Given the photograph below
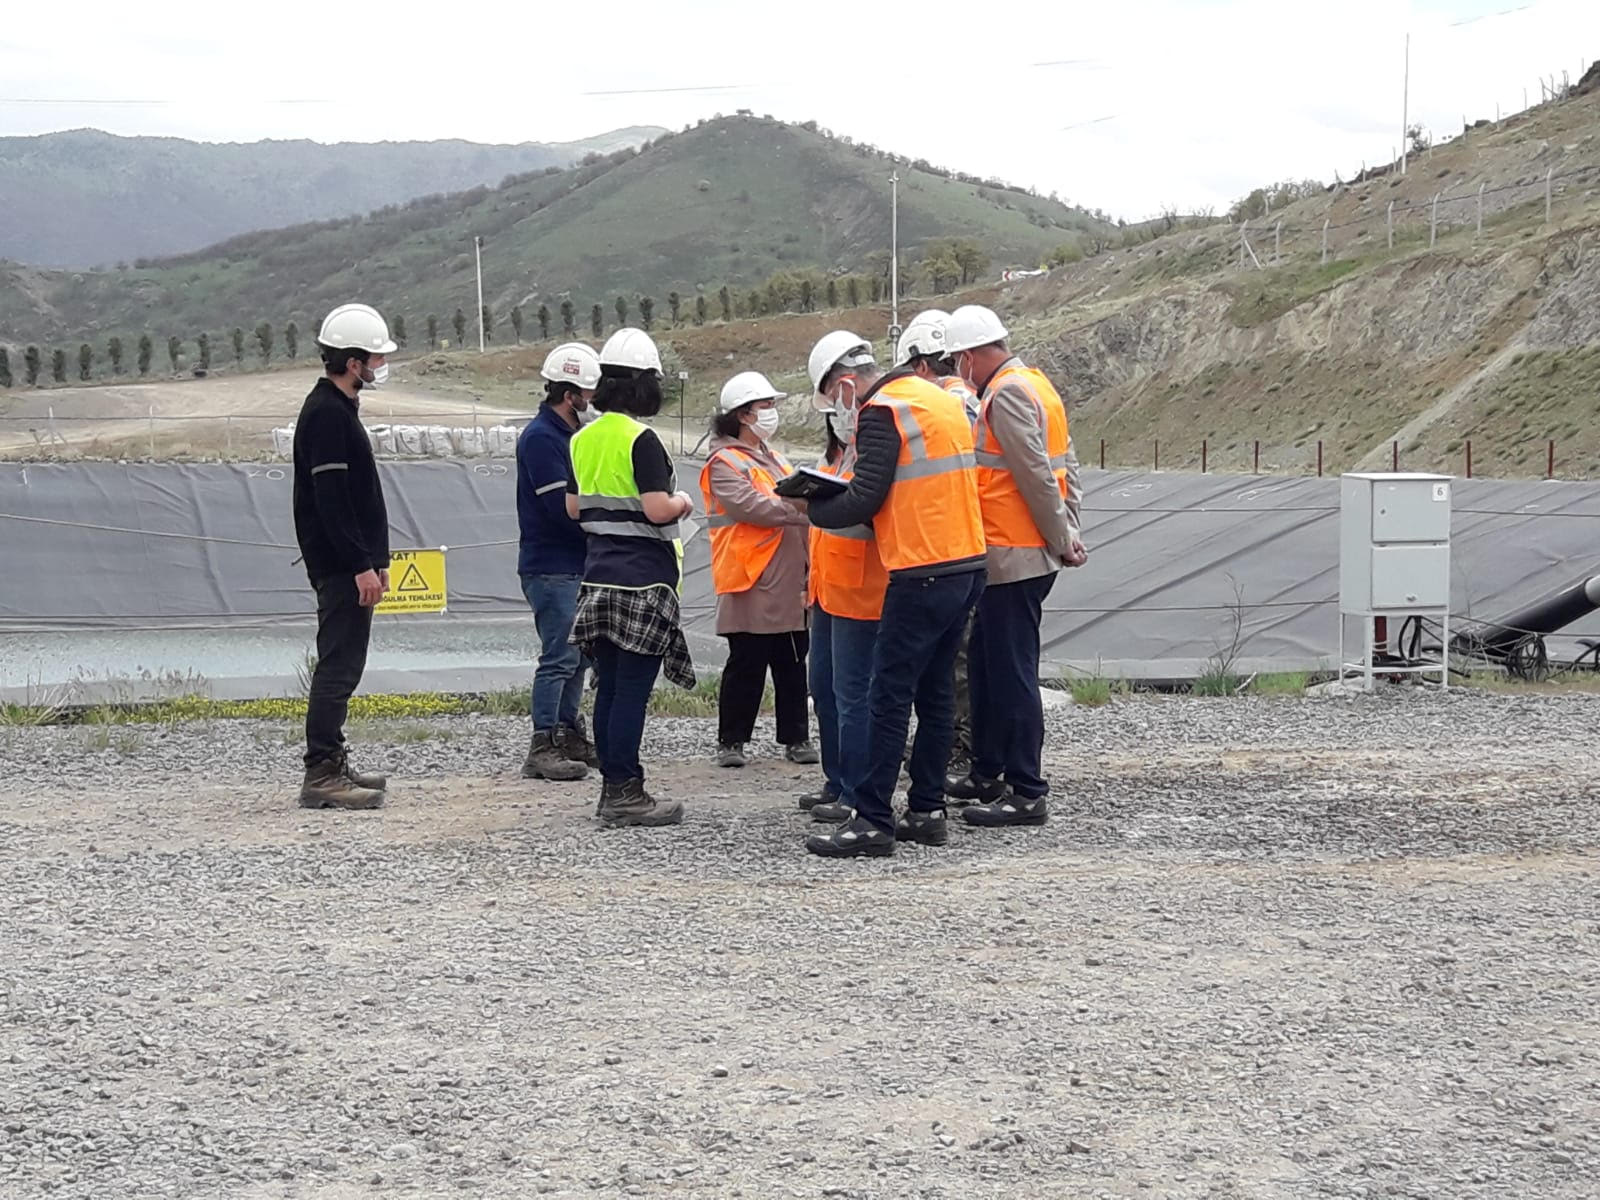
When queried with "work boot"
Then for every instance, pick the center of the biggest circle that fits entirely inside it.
(973, 788)
(856, 838)
(630, 804)
(731, 754)
(610, 793)
(803, 753)
(1009, 809)
(824, 795)
(924, 828)
(573, 741)
(327, 786)
(832, 812)
(376, 783)
(545, 761)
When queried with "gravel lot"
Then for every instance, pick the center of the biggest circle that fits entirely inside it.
(1265, 948)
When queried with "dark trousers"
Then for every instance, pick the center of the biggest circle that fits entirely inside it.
(913, 664)
(744, 679)
(964, 693)
(1007, 715)
(841, 682)
(621, 699)
(344, 629)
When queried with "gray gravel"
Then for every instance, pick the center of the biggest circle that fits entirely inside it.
(1291, 948)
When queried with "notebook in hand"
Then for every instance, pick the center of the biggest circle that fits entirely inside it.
(807, 483)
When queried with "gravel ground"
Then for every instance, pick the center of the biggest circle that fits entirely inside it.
(1264, 949)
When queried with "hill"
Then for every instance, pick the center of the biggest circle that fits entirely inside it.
(83, 197)
(729, 202)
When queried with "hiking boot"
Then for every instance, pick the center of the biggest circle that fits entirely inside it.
(854, 839)
(610, 793)
(545, 761)
(831, 812)
(731, 754)
(1009, 809)
(630, 804)
(327, 786)
(972, 788)
(573, 742)
(825, 795)
(376, 783)
(924, 828)
(803, 753)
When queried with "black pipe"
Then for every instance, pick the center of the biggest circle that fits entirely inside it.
(1499, 642)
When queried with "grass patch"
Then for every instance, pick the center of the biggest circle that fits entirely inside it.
(1216, 681)
(1091, 692)
(1286, 683)
(1561, 683)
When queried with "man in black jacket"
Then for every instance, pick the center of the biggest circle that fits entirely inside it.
(342, 526)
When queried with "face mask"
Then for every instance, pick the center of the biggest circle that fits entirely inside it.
(766, 423)
(588, 415)
(380, 376)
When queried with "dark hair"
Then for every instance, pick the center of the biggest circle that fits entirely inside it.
(556, 392)
(728, 424)
(622, 389)
(835, 448)
(940, 364)
(336, 358)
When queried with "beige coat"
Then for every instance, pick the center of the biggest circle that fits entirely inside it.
(777, 603)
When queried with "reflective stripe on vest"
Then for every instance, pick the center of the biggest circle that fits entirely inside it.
(931, 514)
(1007, 520)
(958, 388)
(609, 503)
(847, 577)
(740, 552)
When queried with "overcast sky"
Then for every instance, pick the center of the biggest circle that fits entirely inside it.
(1207, 98)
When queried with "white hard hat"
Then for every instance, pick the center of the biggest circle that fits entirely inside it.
(573, 363)
(746, 388)
(356, 327)
(839, 347)
(629, 347)
(924, 335)
(971, 326)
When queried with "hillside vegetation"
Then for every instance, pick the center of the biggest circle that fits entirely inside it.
(83, 197)
(728, 203)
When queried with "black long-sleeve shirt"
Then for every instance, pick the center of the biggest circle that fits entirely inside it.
(340, 519)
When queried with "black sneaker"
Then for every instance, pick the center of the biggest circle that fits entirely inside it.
(826, 795)
(854, 839)
(923, 828)
(731, 754)
(973, 789)
(832, 812)
(803, 753)
(1009, 809)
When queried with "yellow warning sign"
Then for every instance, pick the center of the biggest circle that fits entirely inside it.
(416, 582)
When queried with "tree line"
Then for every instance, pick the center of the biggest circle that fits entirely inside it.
(946, 263)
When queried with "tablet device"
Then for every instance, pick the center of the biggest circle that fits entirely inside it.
(807, 483)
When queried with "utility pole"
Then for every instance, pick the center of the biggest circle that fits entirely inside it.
(1405, 108)
(894, 257)
(477, 254)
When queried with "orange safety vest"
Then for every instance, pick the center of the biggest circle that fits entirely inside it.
(847, 575)
(931, 514)
(740, 552)
(958, 388)
(1007, 520)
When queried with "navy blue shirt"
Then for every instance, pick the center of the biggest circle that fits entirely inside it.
(552, 542)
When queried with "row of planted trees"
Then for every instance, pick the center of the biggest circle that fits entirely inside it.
(785, 292)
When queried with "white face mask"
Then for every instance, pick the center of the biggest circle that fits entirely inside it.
(766, 423)
(588, 415)
(380, 376)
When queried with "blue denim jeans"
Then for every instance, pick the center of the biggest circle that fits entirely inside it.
(914, 663)
(558, 681)
(841, 674)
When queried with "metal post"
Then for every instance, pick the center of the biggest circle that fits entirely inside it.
(1481, 186)
(1319, 458)
(477, 254)
(1395, 447)
(1405, 107)
(1158, 454)
(1325, 240)
(1469, 458)
(1547, 177)
(54, 437)
(1102, 454)
(682, 375)
(1255, 468)
(1391, 224)
(1550, 460)
(1203, 456)
(894, 249)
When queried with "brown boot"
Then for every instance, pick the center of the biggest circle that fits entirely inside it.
(630, 804)
(545, 760)
(327, 786)
(573, 742)
(376, 783)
